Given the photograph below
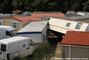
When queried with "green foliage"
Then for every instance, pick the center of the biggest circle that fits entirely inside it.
(86, 6)
(44, 51)
(5, 6)
(75, 6)
(44, 5)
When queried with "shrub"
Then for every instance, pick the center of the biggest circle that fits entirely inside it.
(43, 51)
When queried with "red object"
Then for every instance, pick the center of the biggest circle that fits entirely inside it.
(76, 38)
(25, 18)
(48, 15)
(17, 11)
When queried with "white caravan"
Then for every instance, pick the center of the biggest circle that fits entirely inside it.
(37, 31)
(15, 46)
(7, 31)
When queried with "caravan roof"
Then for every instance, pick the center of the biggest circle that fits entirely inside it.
(37, 26)
(13, 39)
(7, 28)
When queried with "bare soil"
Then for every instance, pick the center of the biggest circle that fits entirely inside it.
(58, 51)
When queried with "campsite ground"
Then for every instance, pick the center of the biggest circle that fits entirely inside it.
(58, 51)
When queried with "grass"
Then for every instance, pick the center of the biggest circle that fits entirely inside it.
(43, 52)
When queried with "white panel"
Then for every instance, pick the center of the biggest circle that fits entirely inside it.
(59, 25)
(36, 38)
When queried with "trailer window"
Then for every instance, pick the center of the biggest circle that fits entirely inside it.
(0, 23)
(68, 24)
(78, 26)
(8, 33)
(3, 47)
(87, 29)
(14, 25)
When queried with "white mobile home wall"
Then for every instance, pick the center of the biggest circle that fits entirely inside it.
(38, 36)
(59, 25)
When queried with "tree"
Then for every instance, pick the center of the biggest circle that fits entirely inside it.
(6, 6)
(75, 6)
(86, 6)
(44, 5)
(18, 4)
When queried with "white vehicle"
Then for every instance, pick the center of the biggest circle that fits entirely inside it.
(15, 46)
(7, 31)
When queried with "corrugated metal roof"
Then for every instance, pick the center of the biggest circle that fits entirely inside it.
(37, 26)
(76, 38)
(25, 18)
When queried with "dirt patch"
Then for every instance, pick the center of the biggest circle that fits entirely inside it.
(58, 51)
